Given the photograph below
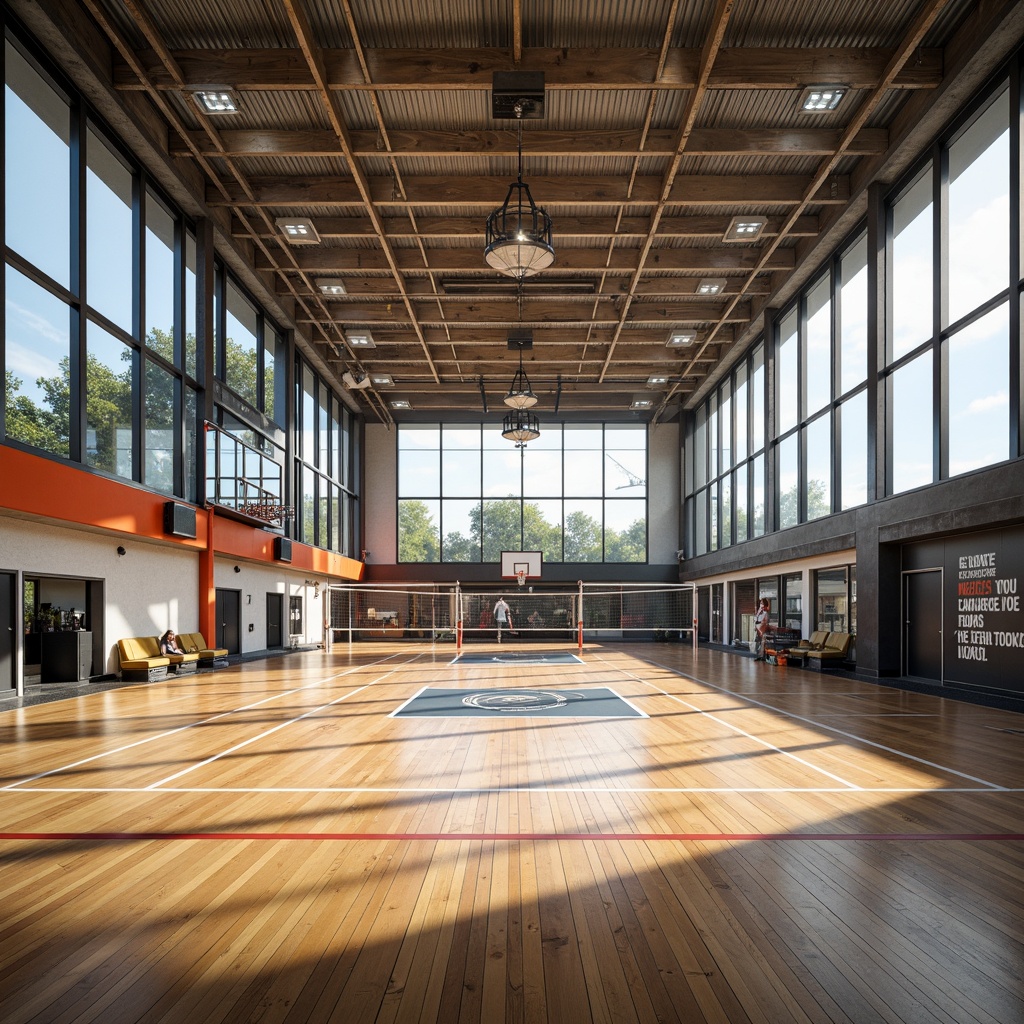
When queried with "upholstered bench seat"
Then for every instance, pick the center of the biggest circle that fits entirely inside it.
(195, 644)
(142, 661)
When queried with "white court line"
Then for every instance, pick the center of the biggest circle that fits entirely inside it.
(736, 729)
(816, 724)
(193, 725)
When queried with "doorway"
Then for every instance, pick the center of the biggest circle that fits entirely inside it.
(229, 617)
(8, 638)
(922, 624)
(717, 604)
(275, 620)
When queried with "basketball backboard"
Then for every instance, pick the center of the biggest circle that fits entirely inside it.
(526, 562)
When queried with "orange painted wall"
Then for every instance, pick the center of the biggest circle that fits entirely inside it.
(51, 490)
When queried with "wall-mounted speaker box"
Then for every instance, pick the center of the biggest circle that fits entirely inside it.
(283, 549)
(179, 520)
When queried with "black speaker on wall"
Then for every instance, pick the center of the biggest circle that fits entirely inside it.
(179, 520)
(283, 549)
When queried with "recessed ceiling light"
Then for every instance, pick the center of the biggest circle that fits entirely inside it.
(817, 98)
(382, 380)
(656, 380)
(331, 286)
(400, 403)
(676, 339)
(744, 229)
(711, 286)
(360, 339)
(298, 230)
(641, 402)
(216, 101)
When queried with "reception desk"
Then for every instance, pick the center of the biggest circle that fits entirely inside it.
(65, 657)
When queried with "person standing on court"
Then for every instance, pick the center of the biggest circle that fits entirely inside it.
(502, 616)
(762, 620)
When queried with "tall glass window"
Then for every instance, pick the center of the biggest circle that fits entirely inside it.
(111, 252)
(853, 429)
(159, 436)
(37, 168)
(979, 400)
(979, 210)
(912, 422)
(109, 439)
(818, 348)
(789, 491)
(757, 398)
(758, 525)
(911, 274)
(787, 371)
(741, 398)
(240, 342)
(853, 316)
(323, 468)
(818, 485)
(37, 381)
(158, 331)
(579, 494)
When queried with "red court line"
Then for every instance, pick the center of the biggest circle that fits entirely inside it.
(678, 837)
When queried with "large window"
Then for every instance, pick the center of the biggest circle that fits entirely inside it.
(324, 466)
(578, 493)
(95, 368)
(37, 168)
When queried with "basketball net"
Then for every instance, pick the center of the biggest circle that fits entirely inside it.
(521, 578)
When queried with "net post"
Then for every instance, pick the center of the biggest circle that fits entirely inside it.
(458, 617)
(579, 622)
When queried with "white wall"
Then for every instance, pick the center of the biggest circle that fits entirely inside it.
(663, 489)
(254, 582)
(151, 588)
(381, 494)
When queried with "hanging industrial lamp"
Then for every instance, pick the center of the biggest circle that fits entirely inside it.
(518, 233)
(520, 426)
(520, 393)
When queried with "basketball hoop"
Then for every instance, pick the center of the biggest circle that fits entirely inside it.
(521, 577)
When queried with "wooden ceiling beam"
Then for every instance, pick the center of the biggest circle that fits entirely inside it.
(612, 287)
(324, 260)
(539, 312)
(488, 192)
(471, 69)
(410, 143)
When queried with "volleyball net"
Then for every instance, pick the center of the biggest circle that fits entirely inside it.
(436, 612)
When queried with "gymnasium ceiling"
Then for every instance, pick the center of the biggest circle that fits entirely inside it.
(663, 120)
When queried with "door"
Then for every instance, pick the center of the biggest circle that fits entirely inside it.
(275, 617)
(229, 617)
(922, 624)
(703, 613)
(716, 613)
(8, 677)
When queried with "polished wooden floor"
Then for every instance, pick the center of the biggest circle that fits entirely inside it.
(268, 843)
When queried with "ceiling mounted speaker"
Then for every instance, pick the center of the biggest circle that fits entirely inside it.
(355, 381)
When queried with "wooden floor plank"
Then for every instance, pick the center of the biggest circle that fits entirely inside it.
(272, 845)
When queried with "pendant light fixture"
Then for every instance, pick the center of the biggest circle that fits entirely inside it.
(520, 426)
(518, 234)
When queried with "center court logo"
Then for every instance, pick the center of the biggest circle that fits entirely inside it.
(519, 700)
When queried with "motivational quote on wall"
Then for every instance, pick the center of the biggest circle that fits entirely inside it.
(987, 608)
